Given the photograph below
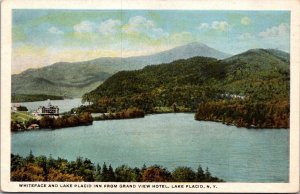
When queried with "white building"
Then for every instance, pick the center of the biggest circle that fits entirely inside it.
(50, 110)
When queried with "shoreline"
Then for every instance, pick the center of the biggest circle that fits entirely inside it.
(191, 112)
(154, 113)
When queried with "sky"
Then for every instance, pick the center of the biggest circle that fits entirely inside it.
(43, 37)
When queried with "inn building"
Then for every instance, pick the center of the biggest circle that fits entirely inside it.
(50, 110)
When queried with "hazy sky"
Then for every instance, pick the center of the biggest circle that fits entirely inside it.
(43, 37)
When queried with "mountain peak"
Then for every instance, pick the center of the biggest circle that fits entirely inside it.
(196, 44)
(281, 55)
(193, 49)
(261, 59)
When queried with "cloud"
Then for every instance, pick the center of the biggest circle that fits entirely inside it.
(246, 36)
(203, 26)
(282, 30)
(180, 38)
(137, 24)
(54, 30)
(246, 21)
(157, 33)
(140, 25)
(109, 26)
(220, 25)
(215, 25)
(84, 26)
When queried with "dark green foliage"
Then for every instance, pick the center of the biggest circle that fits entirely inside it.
(97, 175)
(41, 168)
(247, 113)
(179, 82)
(22, 108)
(124, 114)
(249, 82)
(111, 174)
(93, 108)
(200, 176)
(30, 122)
(126, 174)
(183, 174)
(33, 97)
(104, 173)
(85, 169)
(43, 163)
(17, 162)
(46, 122)
(30, 158)
(21, 126)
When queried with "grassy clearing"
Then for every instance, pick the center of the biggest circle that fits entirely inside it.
(21, 116)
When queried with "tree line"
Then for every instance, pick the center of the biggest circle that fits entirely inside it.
(124, 114)
(47, 122)
(33, 97)
(250, 114)
(42, 168)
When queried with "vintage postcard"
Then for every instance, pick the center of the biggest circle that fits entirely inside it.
(150, 96)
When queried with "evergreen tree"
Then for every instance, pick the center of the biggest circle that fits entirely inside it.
(98, 176)
(144, 167)
(110, 174)
(137, 175)
(30, 157)
(42, 162)
(207, 174)
(16, 162)
(104, 172)
(51, 162)
(200, 174)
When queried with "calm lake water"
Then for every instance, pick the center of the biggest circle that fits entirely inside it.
(171, 140)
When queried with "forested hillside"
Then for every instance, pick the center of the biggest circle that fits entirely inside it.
(257, 78)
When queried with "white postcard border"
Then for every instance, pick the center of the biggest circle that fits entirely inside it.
(6, 18)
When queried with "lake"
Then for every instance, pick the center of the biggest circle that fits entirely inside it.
(171, 140)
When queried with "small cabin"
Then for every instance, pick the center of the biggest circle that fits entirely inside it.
(34, 126)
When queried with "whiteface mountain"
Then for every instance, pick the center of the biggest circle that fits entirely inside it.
(75, 79)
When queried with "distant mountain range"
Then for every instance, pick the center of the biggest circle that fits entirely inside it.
(75, 79)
